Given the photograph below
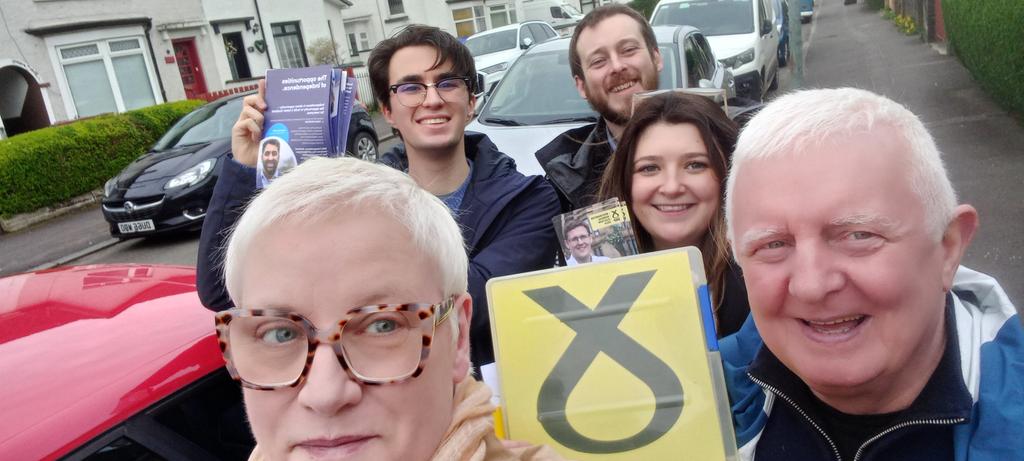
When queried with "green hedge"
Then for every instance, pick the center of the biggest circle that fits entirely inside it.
(988, 37)
(51, 165)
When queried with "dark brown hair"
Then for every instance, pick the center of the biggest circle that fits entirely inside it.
(449, 49)
(719, 135)
(593, 18)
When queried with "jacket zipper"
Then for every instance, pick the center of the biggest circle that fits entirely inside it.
(773, 390)
(916, 422)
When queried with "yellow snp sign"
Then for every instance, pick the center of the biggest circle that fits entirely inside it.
(612, 360)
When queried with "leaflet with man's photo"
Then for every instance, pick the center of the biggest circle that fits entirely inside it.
(308, 112)
(598, 232)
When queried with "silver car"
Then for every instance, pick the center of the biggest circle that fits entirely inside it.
(537, 99)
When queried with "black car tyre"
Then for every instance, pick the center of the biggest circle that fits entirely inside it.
(364, 147)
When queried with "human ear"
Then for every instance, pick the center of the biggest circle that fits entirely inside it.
(580, 86)
(955, 240)
(464, 309)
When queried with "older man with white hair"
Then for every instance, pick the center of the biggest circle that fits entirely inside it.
(877, 345)
(351, 335)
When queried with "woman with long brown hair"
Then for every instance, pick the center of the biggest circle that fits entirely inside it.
(669, 168)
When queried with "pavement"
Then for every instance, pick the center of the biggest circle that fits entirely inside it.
(843, 46)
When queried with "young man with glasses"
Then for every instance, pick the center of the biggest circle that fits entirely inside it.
(422, 78)
(361, 350)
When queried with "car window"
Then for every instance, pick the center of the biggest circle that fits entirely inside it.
(669, 75)
(208, 123)
(491, 43)
(710, 64)
(548, 31)
(694, 72)
(524, 33)
(726, 17)
(537, 31)
(763, 13)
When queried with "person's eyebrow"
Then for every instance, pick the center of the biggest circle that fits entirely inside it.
(754, 236)
(865, 219)
(686, 156)
(445, 75)
(411, 78)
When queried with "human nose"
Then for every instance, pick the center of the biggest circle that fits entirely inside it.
(328, 388)
(672, 183)
(814, 274)
(432, 97)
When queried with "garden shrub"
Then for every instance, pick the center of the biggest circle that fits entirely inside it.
(52, 165)
(988, 37)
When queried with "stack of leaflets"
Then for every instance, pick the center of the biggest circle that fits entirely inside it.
(308, 113)
(612, 361)
(598, 232)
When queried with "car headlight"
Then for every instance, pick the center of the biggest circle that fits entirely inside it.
(495, 68)
(192, 175)
(739, 59)
(109, 186)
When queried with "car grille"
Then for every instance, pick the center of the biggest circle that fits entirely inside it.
(132, 210)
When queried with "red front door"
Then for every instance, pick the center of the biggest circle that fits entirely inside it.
(189, 67)
(940, 24)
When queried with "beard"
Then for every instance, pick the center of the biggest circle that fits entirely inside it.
(599, 97)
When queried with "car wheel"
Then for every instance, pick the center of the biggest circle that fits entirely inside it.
(775, 82)
(364, 147)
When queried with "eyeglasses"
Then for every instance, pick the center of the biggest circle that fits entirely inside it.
(579, 238)
(269, 349)
(413, 94)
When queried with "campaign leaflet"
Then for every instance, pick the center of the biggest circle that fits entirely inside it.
(308, 113)
(598, 232)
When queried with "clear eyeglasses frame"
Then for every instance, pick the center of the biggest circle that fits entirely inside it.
(412, 94)
(333, 335)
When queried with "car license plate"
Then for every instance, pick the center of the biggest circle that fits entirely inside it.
(136, 226)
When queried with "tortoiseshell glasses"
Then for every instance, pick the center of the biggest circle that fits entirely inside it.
(384, 343)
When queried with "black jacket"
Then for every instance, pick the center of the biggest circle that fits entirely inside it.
(505, 219)
(574, 162)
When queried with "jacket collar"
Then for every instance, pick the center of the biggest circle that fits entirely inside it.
(573, 172)
(945, 396)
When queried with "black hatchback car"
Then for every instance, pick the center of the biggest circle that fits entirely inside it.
(168, 188)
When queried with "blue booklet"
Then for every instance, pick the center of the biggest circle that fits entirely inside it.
(308, 114)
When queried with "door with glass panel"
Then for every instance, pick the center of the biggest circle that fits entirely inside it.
(189, 67)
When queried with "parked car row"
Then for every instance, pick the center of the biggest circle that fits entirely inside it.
(168, 188)
(538, 100)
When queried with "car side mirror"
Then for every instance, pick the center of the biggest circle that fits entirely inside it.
(705, 83)
(766, 27)
(527, 43)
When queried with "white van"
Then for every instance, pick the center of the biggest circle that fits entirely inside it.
(742, 35)
(560, 14)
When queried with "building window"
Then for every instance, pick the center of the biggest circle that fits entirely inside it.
(396, 7)
(107, 76)
(291, 51)
(358, 42)
(502, 15)
(469, 21)
(237, 58)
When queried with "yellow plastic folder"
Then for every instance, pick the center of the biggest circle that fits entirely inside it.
(613, 360)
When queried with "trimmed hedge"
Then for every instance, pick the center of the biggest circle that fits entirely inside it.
(988, 37)
(51, 165)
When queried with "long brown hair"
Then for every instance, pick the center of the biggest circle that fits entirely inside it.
(719, 135)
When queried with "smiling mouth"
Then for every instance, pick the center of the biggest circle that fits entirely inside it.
(624, 86)
(433, 121)
(836, 326)
(323, 448)
(672, 208)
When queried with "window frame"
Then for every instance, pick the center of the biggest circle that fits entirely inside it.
(102, 40)
(298, 33)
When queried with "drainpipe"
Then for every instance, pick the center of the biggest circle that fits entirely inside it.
(152, 56)
(263, 33)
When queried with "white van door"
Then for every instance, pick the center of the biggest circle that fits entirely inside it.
(768, 44)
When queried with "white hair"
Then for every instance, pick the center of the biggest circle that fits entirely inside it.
(793, 123)
(319, 188)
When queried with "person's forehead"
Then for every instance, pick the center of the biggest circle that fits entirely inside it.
(578, 230)
(608, 33)
(416, 61)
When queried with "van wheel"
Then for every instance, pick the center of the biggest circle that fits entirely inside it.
(775, 82)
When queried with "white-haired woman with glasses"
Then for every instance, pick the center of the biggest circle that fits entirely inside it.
(350, 337)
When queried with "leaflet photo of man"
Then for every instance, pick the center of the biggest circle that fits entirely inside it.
(579, 244)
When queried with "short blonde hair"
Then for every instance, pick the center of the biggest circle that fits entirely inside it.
(321, 187)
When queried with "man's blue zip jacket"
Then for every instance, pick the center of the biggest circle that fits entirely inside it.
(505, 219)
(974, 401)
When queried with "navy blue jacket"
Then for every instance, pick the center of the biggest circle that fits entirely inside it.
(505, 219)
